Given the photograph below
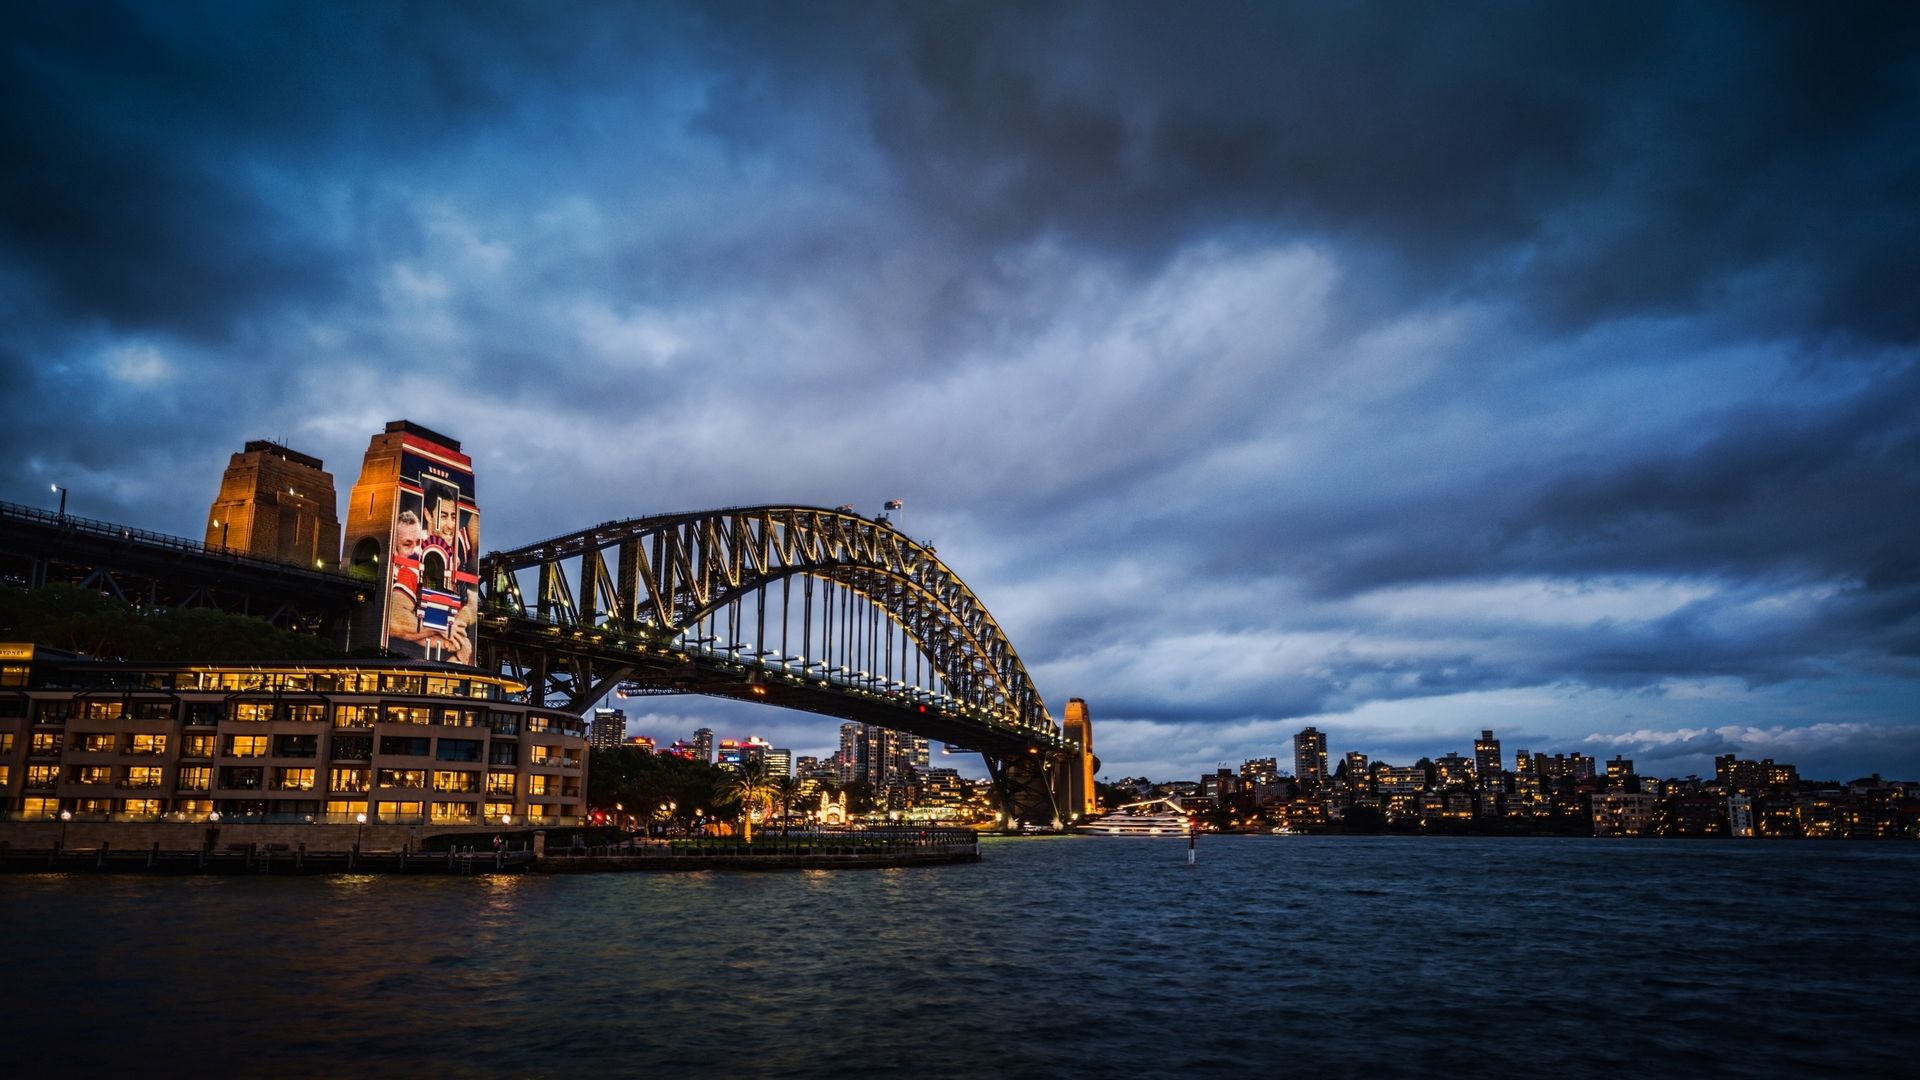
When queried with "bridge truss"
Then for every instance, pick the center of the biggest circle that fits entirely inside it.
(819, 610)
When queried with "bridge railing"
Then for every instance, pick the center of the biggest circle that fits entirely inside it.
(107, 530)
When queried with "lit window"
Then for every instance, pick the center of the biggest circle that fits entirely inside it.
(146, 744)
(95, 742)
(456, 781)
(194, 778)
(293, 779)
(246, 746)
(407, 714)
(141, 807)
(399, 811)
(348, 779)
(144, 776)
(253, 711)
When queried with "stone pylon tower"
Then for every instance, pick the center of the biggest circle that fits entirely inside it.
(1081, 796)
(277, 504)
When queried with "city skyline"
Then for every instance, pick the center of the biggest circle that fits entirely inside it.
(1401, 373)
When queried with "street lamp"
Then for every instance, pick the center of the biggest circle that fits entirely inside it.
(63, 498)
(360, 831)
(65, 816)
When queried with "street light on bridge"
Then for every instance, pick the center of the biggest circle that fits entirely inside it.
(63, 499)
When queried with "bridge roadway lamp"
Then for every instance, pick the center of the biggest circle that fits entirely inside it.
(63, 498)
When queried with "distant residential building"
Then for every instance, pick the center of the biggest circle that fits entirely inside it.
(1260, 770)
(1310, 757)
(1622, 813)
(1359, 780)
(1619, 769)
(1452, 770)
(1740, 816)
(1219, 784)
(1486, 754)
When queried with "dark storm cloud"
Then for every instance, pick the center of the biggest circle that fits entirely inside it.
(1605, 160)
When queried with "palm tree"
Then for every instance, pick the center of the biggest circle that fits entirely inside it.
(751, 787)
(786, 789)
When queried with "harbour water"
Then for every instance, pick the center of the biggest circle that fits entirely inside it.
(1054, 956)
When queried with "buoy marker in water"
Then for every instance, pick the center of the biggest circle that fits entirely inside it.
(1192, 835)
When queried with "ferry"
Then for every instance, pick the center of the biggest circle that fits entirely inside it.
(1122, 822)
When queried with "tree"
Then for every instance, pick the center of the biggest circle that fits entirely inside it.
(751, 787)
(1363, 819)
(786, 789)
(83, 621)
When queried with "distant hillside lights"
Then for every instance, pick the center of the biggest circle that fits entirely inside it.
(1557, 794)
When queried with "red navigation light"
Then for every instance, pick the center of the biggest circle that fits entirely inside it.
(922, 708)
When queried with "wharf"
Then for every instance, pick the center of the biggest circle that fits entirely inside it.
(105, 860)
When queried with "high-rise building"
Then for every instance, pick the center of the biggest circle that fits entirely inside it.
(779, 762)
(1310, 756)
(1486, 755)
(847, 759)
(1077, 726)
(609, 729)
(413, 526)
(1263, 770)
(703, 745)
(277, 504)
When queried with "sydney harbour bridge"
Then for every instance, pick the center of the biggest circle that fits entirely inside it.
(819, 610)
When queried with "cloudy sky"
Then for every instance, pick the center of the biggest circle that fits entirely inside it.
(1399, 369)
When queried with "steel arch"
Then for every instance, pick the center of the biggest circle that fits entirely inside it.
(653, 578)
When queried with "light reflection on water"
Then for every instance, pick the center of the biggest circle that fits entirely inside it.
(1053, 957)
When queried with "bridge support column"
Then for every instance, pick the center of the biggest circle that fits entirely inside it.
(1029, 786)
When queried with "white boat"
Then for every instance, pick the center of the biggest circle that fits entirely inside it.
(1124, 823)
